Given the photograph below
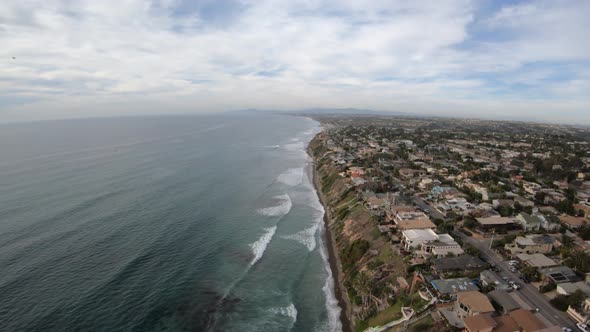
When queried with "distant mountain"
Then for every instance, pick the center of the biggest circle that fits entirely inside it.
(344, 111)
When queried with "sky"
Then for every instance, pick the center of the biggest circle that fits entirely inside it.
(522, 60)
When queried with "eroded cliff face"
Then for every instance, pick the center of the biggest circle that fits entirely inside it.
(369, 266)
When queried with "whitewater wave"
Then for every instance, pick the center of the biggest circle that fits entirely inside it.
(272, 146)
(306, 237)
(281, 209)
(259, 247)
(291, 177)
(289, 311)
(332, 306)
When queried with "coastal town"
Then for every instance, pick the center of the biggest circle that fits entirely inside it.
(455, 224)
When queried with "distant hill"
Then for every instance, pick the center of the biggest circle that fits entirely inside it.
(344, 111)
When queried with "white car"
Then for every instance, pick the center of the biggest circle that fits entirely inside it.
(566, 329)
(582, 327)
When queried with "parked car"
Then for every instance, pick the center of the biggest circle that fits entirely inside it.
(512, 269)
(582, 327)
(566, 329)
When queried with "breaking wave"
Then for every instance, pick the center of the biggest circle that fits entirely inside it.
(332, 306)
(289, 311)
(306, 237)
(278, 210)
(291, 177)
(259, 247)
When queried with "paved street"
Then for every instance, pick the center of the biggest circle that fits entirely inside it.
(434, 213)
(528, 292)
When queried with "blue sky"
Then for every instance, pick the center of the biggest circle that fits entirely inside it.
(488, 59)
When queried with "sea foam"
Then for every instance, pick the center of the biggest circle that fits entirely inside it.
(332, 306)
(306, 237)
(281, 209)
(291, 177)
(289, 311)
(259, 247)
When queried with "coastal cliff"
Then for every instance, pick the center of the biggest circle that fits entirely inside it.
(364, 265)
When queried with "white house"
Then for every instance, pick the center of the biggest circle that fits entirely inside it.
(427, 241)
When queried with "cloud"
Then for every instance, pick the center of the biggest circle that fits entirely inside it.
(76, 58)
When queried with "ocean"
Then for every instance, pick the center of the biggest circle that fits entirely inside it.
(162, 223)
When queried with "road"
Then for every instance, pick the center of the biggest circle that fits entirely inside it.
(434, 213)
(528, 292)
(419, 202)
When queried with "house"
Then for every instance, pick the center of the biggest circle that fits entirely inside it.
(483, 323)
(415, 238)
(549, 225)
(568, 288)
(529, 222)
(526, 320)
(451, 287)
(472, 303)
(536, 260)
(427, 241)
(559, 274)
(584, 207)
(409, 215)
(517, 320)
(490, 278)
(412, 220)
(444, 246)
(502, 202)
(503, 301)
(581, 315)
(495, 224)
(572, 222)
(531, 187)
(523, 201)
(530, 244)
(408, 173)
(465, 263)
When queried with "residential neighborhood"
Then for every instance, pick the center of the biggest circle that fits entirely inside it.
(490, 220)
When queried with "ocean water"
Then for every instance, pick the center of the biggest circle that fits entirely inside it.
(171, 223)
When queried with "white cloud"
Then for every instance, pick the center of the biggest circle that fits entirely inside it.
(111, 57)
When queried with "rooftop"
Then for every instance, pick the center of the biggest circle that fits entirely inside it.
(526, 320)
(476, 301)
(559, 274)
(478, 323)
(504, 300)
(453, 286)
(415, 224)
(420, 235)
(458, 263)
(536, 260)
(495, 221)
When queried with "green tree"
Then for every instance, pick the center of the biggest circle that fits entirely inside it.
(531, 273)
(578, 261)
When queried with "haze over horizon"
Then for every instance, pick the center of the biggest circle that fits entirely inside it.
(522, 60)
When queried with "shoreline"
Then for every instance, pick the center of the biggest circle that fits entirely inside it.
(333, 257)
